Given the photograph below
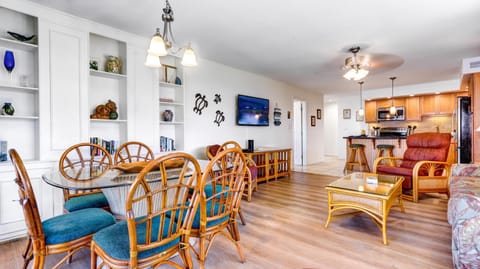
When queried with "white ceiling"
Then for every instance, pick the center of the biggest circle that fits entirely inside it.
(305, 42)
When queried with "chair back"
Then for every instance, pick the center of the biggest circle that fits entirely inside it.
(223, 177)
(211, 150)
(83, 161)
(161, 205)
(133, 151)
(27, 198)
(426, 147)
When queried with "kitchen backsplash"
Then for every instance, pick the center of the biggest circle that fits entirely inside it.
(442, 124)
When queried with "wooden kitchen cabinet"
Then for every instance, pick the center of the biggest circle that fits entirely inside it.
(438, 104)
(370, 111)
(412, 107)
(388, 102)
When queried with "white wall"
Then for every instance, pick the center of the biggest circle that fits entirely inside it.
(210, 78)
(331, 129)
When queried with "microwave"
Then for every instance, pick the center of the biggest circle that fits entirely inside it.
(383, 114)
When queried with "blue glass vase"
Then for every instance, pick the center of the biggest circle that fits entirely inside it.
(9, 61)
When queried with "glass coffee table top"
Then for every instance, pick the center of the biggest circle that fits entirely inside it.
(367, 183)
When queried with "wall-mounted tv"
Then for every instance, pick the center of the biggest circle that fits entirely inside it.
(252, 111)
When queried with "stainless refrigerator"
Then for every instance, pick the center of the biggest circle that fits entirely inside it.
(464, 130)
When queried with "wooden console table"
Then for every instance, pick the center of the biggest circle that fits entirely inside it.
(272, 163)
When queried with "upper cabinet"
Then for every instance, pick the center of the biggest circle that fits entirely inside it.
(438, 104)
(19, 85)
(412, 108)
(370, 111)
(171, 104)
(107, 93)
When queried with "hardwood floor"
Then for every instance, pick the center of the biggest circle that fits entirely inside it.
(285, 229)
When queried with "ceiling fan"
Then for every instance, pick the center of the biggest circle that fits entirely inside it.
(356, 66)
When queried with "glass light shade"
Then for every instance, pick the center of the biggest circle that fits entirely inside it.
(157, 45)
(153, 61)
(393, 110)
(189, 58)
(361, 112)
(354, 74)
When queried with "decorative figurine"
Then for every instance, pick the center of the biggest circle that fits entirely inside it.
(106, 112)
(178, 81)
(167, 115)
(93, 65)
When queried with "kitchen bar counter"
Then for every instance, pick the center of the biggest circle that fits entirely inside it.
(370, 142)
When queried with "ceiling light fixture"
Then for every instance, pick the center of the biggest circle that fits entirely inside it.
(393, 109)
(355, 66)
(161, 45)
(361, 112)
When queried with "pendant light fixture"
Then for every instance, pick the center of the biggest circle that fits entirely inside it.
(161, 45)
(361, 112)
(393, 109)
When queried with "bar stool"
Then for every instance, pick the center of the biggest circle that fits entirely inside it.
(356, 157)
(385, 151)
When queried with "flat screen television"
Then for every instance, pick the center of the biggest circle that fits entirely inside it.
(252, 111)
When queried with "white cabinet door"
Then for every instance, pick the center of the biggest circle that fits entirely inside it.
(65, 98)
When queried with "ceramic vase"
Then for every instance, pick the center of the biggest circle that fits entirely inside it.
(112, 65)
(167, 115)
(8, 109)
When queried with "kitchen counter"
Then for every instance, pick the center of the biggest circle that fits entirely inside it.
(370, 142)
(375, 138)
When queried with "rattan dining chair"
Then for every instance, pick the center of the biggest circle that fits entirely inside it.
(64, 233)
(159, 212)
(133, 151)
(84, 161)
(219, 206)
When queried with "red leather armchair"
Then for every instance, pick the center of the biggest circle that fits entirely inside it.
(424, 165)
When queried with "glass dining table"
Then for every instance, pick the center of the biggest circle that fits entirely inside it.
(114, 183)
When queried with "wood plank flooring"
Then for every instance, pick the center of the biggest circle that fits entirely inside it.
(285, 229)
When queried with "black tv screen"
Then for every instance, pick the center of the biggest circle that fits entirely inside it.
(252, 111)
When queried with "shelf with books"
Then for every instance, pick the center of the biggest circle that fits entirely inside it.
(108, 82)
(172, 101)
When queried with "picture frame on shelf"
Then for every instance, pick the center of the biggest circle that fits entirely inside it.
(319, 114)
(358, 117)
(313, 121)
(169, 73)
(347, 113)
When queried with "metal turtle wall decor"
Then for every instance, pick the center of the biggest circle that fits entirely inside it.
(217, 99)
(219, 118)
(200, 103)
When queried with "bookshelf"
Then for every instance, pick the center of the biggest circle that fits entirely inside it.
(105, 86)
(20, 87)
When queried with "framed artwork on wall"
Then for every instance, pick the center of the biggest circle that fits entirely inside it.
(347, 113)
(313, 121)
(319, 114)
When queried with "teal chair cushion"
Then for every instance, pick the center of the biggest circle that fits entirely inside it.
(196, 220)
(95, 200)
(74, 225)
(115, 241)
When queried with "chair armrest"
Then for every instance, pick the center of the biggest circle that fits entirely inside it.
(250, 161)
(390, 160)
(432, 167)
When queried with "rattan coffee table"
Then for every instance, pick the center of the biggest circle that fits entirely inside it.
(374, 198)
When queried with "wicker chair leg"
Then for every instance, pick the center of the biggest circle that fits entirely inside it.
(242, 218)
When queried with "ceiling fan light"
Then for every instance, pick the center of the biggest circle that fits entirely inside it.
(354, 74)
(153, 61)
(157, 45)
(189, 58)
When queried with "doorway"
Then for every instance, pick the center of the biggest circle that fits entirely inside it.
(299, 132)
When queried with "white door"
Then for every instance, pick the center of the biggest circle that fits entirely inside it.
(299, 132)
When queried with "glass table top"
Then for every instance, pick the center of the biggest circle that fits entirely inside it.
(367, 183)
